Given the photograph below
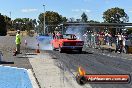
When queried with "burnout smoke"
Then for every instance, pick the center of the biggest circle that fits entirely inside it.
(79, 31)
(44, 42)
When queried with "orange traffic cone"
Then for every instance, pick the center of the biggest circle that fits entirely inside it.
(37, 50)
(15, 52)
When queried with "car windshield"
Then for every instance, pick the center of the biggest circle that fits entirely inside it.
(69, 36)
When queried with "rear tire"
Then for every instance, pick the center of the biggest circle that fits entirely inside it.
(60, 50)
(80, 50)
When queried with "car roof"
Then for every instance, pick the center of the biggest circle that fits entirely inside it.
(68, 34)
(64, 34)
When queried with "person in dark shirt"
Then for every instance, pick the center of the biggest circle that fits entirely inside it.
(53, 35)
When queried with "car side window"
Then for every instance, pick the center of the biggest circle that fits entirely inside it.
(73, 37)
(59, 37)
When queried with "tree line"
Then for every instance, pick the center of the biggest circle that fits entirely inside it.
(112, 15)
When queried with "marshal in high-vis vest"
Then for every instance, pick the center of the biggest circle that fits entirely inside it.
(18, 42)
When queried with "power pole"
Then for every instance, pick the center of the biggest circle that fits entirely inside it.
(10, 14)
(44, 18)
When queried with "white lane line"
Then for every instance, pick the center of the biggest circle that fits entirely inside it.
(32, 79)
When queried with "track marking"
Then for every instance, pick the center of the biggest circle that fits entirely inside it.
(32, 78)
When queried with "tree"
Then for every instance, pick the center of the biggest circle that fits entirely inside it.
(5, 24)
(84, 17)
(115, 15)
(72, 19)
(24, 24)
(3, 30)
(51, 18)
(8, 22)
(17, 24)
(92, 21)
(64, 19)
(34, 22)
(129, 31)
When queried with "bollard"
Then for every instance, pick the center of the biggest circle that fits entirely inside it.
(37, 50)
(1, 56)
(26, 49)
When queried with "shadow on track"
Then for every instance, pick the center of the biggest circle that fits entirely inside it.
(24, 57)
(6, 62)
(75, 52)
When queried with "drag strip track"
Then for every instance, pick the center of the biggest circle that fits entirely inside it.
(96, 64)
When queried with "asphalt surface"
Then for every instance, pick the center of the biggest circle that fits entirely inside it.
(92, 60)
(96, 63)
(7, 46)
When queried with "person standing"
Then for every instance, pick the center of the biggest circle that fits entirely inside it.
(89, 38)
(85, 38)
(18, 43)
(93, 40)
(53, 35)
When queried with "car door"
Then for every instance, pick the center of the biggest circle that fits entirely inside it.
(54, 41)
(57, 41)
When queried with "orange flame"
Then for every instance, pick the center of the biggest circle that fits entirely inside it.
(81, 71)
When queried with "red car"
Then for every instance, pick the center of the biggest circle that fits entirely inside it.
(67, 42)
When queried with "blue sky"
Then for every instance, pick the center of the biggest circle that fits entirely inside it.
(69, 8)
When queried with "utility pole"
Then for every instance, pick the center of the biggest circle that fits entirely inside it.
(44, 18)
(11, 21)
(10, 14)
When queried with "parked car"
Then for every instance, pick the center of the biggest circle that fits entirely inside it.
(66, 42)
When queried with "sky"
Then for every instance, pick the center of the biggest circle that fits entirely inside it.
(68, 8)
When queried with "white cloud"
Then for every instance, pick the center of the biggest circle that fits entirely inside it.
(29, 10)
(85, 10)
(81, 10)
(108, 1)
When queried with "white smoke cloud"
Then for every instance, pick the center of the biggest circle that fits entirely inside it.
(79, 31)
(43, 41)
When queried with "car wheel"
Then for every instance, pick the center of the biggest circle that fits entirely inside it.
(115, 50)
(80, 50)
(125, 49)
(60, 50)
